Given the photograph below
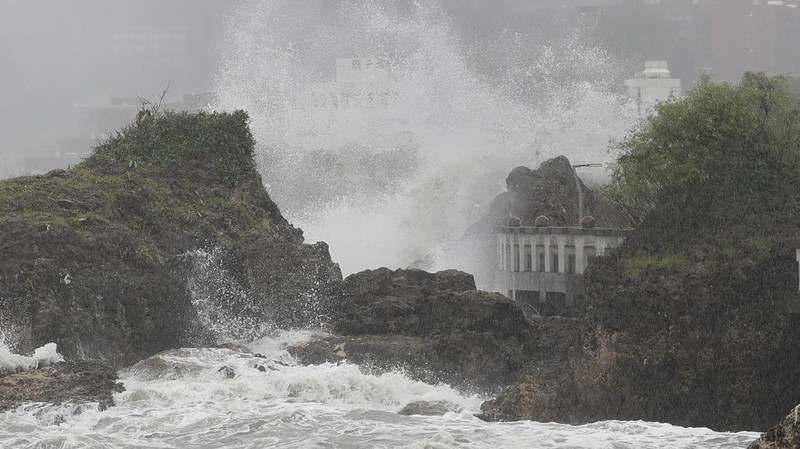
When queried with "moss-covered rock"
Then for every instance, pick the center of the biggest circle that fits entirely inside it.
(99, 258)
(713, 341)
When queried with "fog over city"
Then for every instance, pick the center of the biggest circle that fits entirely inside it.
(58, 56)
(375, 118)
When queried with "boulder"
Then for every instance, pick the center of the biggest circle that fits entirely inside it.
(435, 326)
(64, 382)
(429, 408)
(544, 397)
(545, 390)
(388, 301)
(549, 192)
(785, 435)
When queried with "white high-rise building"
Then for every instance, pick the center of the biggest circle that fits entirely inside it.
(653, 84)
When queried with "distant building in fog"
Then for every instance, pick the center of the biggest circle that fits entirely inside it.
(653, 84)
(722, 38)
(361, 70)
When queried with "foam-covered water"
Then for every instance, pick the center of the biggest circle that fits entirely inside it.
(392, 172)
(191, 405)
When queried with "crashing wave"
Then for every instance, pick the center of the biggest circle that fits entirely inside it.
(14, 363)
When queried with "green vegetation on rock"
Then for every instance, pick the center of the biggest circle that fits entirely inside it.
(700, 302)
(98, 258)
(720, 164)
(694, 318)
(218, 145)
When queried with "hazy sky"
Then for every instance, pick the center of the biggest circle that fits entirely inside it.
(58, 53)
(54, 53)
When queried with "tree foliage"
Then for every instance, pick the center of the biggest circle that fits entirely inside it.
(721, 156)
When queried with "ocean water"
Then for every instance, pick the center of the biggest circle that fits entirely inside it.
(192, 405)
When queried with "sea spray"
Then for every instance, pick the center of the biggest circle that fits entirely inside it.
(41, 357)
(223, 307)
(456, 131)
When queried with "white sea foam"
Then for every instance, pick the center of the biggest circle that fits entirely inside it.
(41, 357)
(289, 406)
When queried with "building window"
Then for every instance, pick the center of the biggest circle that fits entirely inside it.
(528, 258)
(570, 261)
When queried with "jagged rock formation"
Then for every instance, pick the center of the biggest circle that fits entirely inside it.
(434, 325)
(100, 258)
(785, 435)
(549, 191)
(438, 328)
(673, 339)
(428, 408)
(74, 382)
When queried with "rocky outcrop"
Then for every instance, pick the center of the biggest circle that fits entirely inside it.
(436, 326)
(785, 435)
(545, 390)
(711, 339)
(673, 339)
(428, 408)
(65, 382)
(549, 191)
(163, 233)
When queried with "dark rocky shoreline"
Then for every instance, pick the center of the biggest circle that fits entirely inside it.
(95, 260)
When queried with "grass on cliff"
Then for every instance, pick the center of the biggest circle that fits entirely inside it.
(218, 145)
(178, 175)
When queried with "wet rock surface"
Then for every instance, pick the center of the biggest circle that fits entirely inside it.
(110, 258)
(428, 408)
(435, 325)
(785, 435)
(64, 382)
(549, 192)
(437, 328)
(691, 348)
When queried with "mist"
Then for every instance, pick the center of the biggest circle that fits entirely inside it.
(389, 175)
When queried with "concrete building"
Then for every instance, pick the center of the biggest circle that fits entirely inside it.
(721, 38)
(361, 71)
(541, 268)
(652, 85)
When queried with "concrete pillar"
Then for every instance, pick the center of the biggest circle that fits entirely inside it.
(499, 248)
(547, 263)
(521, 251)
(506, 249)
(579, 262)
(562, 254)
(529, 243)
(534, 256)
(600, 246)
